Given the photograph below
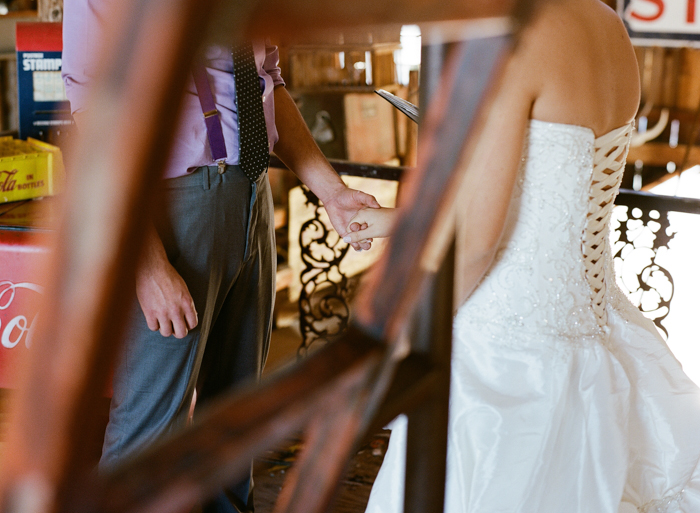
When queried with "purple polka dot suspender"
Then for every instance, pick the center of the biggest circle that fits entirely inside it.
(212, 117)
(253, 145)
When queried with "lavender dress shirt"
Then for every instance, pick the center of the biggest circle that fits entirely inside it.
(82, 24)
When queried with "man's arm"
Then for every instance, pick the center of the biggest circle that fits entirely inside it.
(162, 293)
(298, 150)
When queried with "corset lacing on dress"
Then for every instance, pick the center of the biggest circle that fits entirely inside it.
(608, 167)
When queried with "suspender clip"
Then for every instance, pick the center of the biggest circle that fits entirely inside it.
(221, 164)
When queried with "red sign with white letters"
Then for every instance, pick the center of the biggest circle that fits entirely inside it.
(661, 22)
(21, 254)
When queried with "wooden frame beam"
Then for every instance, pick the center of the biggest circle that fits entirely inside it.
(145, 65)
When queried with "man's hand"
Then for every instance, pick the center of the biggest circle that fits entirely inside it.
(162, 293)
(343, 206)
(297, 148)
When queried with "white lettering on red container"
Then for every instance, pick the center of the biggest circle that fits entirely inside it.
(17, 328)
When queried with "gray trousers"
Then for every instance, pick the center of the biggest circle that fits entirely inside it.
(218, 232)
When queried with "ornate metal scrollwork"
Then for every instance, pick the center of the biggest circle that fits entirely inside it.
(642, 234)
(324, 299)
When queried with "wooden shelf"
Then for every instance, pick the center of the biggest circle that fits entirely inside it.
(347, 47)
(659, 154)
(20, 14)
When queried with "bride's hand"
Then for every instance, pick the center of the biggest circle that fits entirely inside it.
(369, 223)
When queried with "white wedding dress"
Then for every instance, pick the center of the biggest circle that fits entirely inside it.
(564, 398)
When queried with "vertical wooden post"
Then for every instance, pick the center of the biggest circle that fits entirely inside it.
(44, 467)
(447, 122)
(50, 10)
(118, 162)
(426, 447)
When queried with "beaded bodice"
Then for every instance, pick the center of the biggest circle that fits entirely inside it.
(552, 274)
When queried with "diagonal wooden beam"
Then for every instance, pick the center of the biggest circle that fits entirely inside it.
(198, 470)
(120, 156)
(144, 71)
(331, 437)
(196, 462)
(470, 70)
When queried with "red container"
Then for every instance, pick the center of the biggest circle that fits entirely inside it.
(21, 257)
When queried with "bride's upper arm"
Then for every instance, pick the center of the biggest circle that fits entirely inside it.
(488, 182)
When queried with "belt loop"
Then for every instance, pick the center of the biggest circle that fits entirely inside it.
(206, 184)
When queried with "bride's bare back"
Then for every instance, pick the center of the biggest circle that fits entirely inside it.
(581, 66)
(574, 64)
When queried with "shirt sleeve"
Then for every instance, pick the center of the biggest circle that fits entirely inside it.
(271, 64)
(80, 25)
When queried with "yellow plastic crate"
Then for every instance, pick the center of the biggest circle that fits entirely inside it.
(29, 169)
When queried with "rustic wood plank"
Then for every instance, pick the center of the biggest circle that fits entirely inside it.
(660, 154)
(295, 16)
(650, 201)
(217, 449)
(426, 446)
(386, 300)
(202, 476)
(312, 485)
(81, 330)
(110, 194)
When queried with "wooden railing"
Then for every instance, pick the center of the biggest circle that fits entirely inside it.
(333, 396)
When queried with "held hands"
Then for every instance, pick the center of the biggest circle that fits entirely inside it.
(343, 206)
(370, 223)
(162, 293)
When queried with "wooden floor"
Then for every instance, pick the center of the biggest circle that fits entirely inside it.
(270, 471)
(271, 468)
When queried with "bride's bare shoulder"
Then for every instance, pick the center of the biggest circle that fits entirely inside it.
(562, 27)
(579, 49)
